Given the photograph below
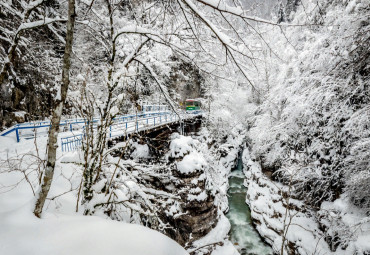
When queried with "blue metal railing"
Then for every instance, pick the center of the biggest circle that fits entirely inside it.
(69, 123)
(139, 124)
(19, 127)
(122, 125)
(72, 142)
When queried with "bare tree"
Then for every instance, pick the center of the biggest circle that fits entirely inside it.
(57, 113)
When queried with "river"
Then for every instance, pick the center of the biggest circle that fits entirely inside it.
(242, 234)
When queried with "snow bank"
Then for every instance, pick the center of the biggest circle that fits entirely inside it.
(227, 249)
(187, 148)
(141, 151)
(352, 223)
(73, 157)
(62, 230)
(5, 143)
(23, 233)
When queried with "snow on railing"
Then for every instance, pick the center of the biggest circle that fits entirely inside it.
(71, 142)
(123, 125)
(31, 129)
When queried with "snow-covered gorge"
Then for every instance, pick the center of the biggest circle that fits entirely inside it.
(182, 193)
(298, 92)
(279, 217)
(198, 169)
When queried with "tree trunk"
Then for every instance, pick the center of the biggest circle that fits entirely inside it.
(57, 113)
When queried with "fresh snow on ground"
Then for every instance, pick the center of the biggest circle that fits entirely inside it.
(22, 233)
(61, 230)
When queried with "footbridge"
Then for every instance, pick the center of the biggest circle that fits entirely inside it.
(72, 130)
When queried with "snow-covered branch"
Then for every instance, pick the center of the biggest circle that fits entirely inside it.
(38, 23)
(160, 85)
(135, 29)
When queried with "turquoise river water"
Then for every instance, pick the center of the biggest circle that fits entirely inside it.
(242, 234)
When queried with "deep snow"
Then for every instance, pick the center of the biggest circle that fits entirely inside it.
(22, 233)
(61, 230)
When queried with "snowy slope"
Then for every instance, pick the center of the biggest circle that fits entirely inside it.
(22, 233)
(61, 230)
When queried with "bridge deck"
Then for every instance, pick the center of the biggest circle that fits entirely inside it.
(72, 130)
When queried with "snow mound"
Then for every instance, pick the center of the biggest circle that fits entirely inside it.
(185, 147)
(181, 145)
(191, 163)
(73, 157)
(23, 233)
(141, 151)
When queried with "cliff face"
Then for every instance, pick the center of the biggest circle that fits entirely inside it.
(173, 183)
(196, 171)
(168, 178)
(197, 211)
(24, 103)
(193, 213)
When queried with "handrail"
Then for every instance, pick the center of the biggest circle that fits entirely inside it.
(120, 126)
(71, 122)
(73, 142)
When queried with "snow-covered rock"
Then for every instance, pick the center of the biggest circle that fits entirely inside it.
(191, 163)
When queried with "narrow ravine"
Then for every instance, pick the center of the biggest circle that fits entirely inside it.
(242, 234)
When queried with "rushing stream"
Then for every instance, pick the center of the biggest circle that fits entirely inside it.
(242, 234)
